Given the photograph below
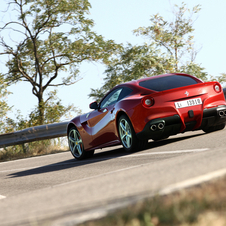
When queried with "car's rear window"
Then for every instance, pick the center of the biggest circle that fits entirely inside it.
(168, 82)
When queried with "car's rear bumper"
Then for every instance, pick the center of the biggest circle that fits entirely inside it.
(164, 127)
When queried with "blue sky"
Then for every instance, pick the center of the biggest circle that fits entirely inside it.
(116, 20)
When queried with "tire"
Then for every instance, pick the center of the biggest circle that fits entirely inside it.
(128, 138)
(76, 145)
(214, 128)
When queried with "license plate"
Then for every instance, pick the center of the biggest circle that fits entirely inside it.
(188, 103)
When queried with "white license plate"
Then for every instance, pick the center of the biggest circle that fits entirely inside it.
(188, 103)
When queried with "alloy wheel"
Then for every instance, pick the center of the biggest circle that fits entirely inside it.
(125, 133)
(75, 143)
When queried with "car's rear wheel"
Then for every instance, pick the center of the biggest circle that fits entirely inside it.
(76, 145)
(128, 138)
(214, 128)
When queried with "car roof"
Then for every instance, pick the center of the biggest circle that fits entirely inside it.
(135, 83)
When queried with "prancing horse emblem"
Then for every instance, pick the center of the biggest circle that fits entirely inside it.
(187, 93)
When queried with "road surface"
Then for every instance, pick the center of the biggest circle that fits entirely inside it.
(59, 190)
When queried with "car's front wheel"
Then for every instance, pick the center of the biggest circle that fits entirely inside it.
(76, 145)
(128, 138)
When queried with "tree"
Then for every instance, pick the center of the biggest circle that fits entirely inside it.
(221, 78)
(171, 49)
(133, 62)
(175, 37)
(4, 108)
(50, 38)
(194, 69)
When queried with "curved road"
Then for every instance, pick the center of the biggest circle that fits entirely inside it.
(58, 190)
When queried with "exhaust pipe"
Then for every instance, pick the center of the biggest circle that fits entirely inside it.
(221, 113)
(153, 127)
(160, 125)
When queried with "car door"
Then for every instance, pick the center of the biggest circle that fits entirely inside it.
(102, 120)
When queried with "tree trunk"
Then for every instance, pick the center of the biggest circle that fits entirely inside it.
(176, 56)
(41, 110)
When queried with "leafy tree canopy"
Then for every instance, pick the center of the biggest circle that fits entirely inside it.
(175, 37)
(48, 39)
(4, 108)
(134, 62)
(171, 49)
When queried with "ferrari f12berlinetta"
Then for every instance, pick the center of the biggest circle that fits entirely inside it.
(150, 108)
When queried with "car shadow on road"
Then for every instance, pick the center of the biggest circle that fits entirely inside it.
(115, 152)
(172, 139)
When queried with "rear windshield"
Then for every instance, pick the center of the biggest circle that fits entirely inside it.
(168, 82)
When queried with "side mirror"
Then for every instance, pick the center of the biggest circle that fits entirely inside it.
(94, 105)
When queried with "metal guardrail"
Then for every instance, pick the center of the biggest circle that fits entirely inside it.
(34, 134)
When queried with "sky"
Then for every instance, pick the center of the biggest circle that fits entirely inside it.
(116, 19)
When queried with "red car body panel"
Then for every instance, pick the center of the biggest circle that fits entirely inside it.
(164, 104)
(99, 128)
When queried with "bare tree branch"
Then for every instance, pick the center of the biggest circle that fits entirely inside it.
(66, 84)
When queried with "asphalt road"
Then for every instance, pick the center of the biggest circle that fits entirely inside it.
(59, 190)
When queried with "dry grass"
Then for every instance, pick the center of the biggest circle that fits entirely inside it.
(203, 205)
(32, 149)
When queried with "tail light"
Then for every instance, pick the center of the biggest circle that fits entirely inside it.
(217, 87)
(148, 102)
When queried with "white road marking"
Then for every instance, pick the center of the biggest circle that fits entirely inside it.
(132, 167)
(166, 152)
(193, 181)
(125, 156)
(101, 175)
(104, 210)
(168, 189)
(2, 197)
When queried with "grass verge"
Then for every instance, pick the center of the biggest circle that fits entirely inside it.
(203, 205)
(32, 149)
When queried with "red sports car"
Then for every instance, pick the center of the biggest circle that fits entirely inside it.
(151, 108)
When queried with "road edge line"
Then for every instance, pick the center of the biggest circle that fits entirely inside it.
(192, 182)
(100, 212)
